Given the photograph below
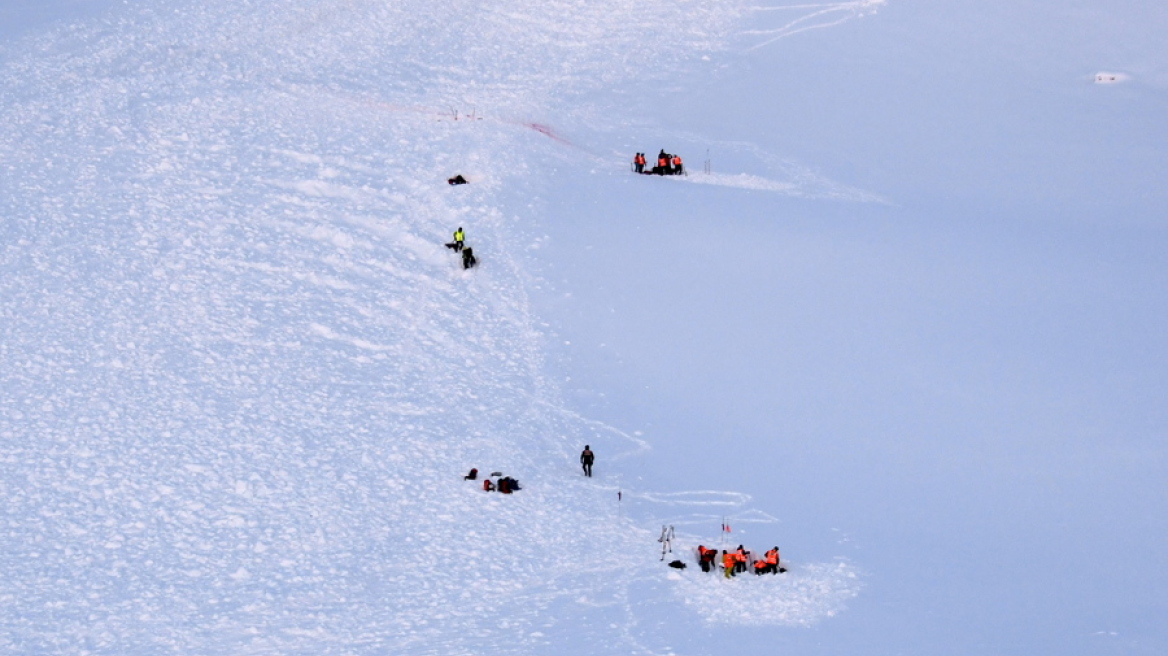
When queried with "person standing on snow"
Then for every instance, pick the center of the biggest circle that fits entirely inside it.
(586, 458)
(728, 562)
(772, 559)
(459, 237)
(740, 560)
(639, 162)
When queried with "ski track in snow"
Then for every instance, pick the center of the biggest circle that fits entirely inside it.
(241, 377)
(807, 17)
(800, 184)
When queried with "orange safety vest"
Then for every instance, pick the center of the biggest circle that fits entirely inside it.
(661, 162)
(758, 564)
(728, 560)
(772, 557)
(676, 160)
(639, 159)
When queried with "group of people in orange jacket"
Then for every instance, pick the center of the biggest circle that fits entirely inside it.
(666, 164)
(735, 562)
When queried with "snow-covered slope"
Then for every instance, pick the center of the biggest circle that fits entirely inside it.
(241, 376)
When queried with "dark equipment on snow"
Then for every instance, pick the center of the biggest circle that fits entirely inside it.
(506, 484)
(468, 258)
(456, 180)
(677, 564)
(474, 474)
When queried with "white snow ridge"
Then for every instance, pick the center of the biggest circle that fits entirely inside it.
(241, 377)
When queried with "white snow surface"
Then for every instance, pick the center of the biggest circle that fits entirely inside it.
(242, 378)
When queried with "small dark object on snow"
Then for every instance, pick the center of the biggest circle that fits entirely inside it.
(677, 564)
(456, 180)
(507, 485)
(496, 473)
(473, 475)
(468, 258)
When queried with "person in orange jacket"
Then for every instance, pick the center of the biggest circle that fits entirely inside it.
(639, 162)
(706, 557)
(740, 559)
(772, 559)
(761, 567)
(729, 560)
(677, 165)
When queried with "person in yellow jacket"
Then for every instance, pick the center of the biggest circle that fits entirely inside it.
(459, 237)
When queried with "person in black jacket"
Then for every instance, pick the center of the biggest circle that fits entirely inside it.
(586, 459)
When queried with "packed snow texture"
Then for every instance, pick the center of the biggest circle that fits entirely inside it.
(242, 377)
